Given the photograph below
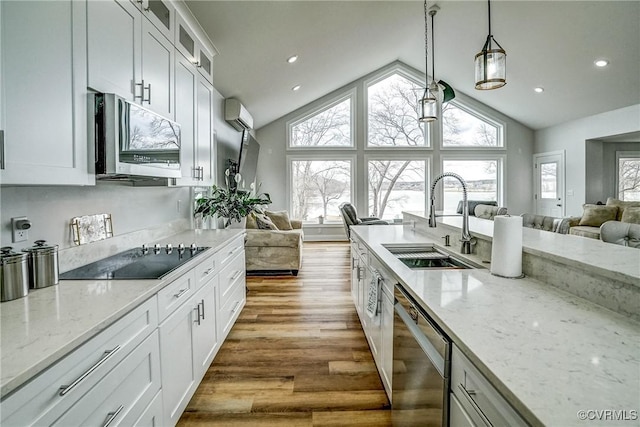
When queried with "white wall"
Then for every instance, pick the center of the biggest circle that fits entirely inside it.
(50, 209)
(572, 137)
(272, 165)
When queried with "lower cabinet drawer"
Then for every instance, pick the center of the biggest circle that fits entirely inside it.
(230, 311)
(227, 253)
(123, 395)
(152, 415)
(231, 274)
(54, 391)
(175, 294)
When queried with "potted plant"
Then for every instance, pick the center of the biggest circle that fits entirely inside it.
(231, 203)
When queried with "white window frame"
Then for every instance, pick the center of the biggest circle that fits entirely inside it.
(500, 124)
(349, 95)
(403, 72)
(312, 157)
(398, 156)
(623, 155)
(501, 185)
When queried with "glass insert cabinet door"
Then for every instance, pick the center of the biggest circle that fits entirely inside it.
(549, 191)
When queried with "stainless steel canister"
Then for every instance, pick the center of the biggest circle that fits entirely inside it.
(43, 265)
(14, 275)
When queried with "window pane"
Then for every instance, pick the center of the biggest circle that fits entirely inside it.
(481, 177)
(396, 186)
(462, 129)
(549, 180)
(393, 113)
(629, 178)
(329, 128)
(318, 187)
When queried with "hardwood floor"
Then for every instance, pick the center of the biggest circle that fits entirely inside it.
(297, 356)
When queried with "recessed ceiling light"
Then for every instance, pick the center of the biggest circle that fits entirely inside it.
(296, 87)
(538, 89)
(601, 63)
(292, 59)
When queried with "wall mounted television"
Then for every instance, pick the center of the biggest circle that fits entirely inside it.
(247, 160)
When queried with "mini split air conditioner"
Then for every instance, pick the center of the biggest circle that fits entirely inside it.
(236, 115)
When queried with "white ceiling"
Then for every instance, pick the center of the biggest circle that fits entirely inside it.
(549, 43)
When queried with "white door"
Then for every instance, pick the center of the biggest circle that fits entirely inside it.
(549, 183)
(157, 71)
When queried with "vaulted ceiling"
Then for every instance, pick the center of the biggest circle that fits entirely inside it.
(549, 44)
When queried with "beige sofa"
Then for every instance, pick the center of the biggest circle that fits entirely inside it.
(269, 251)
(588, 225)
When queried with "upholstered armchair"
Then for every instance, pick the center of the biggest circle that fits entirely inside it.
(350, 217)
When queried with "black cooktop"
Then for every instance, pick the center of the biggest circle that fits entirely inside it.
(139, 263)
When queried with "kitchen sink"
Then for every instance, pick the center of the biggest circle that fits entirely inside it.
(427, 257)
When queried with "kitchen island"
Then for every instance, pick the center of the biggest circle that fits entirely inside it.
(550, 353)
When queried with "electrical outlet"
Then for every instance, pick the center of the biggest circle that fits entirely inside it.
(20, 232)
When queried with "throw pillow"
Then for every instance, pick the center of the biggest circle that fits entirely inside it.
(622, 205)
(596, 215)
(251, 221)
(631, 215)
(264, 223)
(280, 219)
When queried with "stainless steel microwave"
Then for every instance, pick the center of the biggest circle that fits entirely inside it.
(132, 141)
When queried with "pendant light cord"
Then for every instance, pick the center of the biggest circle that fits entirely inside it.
(433, 51)
(489, 17)
(426, 47)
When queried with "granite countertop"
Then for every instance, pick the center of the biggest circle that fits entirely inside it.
(549, 353)
(49, 323)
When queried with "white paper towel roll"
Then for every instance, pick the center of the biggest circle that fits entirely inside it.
(506, 249)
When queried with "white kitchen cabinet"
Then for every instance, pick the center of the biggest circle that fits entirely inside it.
(232, 293)
(152, 415)
(129, 56)
(176, 354)
(194, 111)
(206, 342)
(123, 394)
(160, 13)
(43, 86)
(188, 344)
(477, 399)
(189, 45)
(41, 402)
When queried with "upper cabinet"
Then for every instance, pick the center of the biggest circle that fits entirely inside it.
(43, 94)
(193, 49)
(129, 53)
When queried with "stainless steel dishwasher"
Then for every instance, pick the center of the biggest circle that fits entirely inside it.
(421, 361)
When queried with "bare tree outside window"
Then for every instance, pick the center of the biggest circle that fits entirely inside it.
(328, 128)
(629, 178)
(396, 186)
(462, 129)
(318, 188)
(393, 113)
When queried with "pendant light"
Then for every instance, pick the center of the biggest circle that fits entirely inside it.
(428, 103)
(434, 93)
(491, 63)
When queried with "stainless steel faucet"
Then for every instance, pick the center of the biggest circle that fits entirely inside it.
(466, 236)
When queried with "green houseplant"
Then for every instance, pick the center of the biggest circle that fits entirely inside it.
(231, 203)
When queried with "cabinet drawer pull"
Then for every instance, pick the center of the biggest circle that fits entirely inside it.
(235, 307)
(202, 303)
(236, 275)
(207, 271)
(469, 394)
(197, 310)
(1, 149)
(107, 355)
(182, 292)
(112, 416)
